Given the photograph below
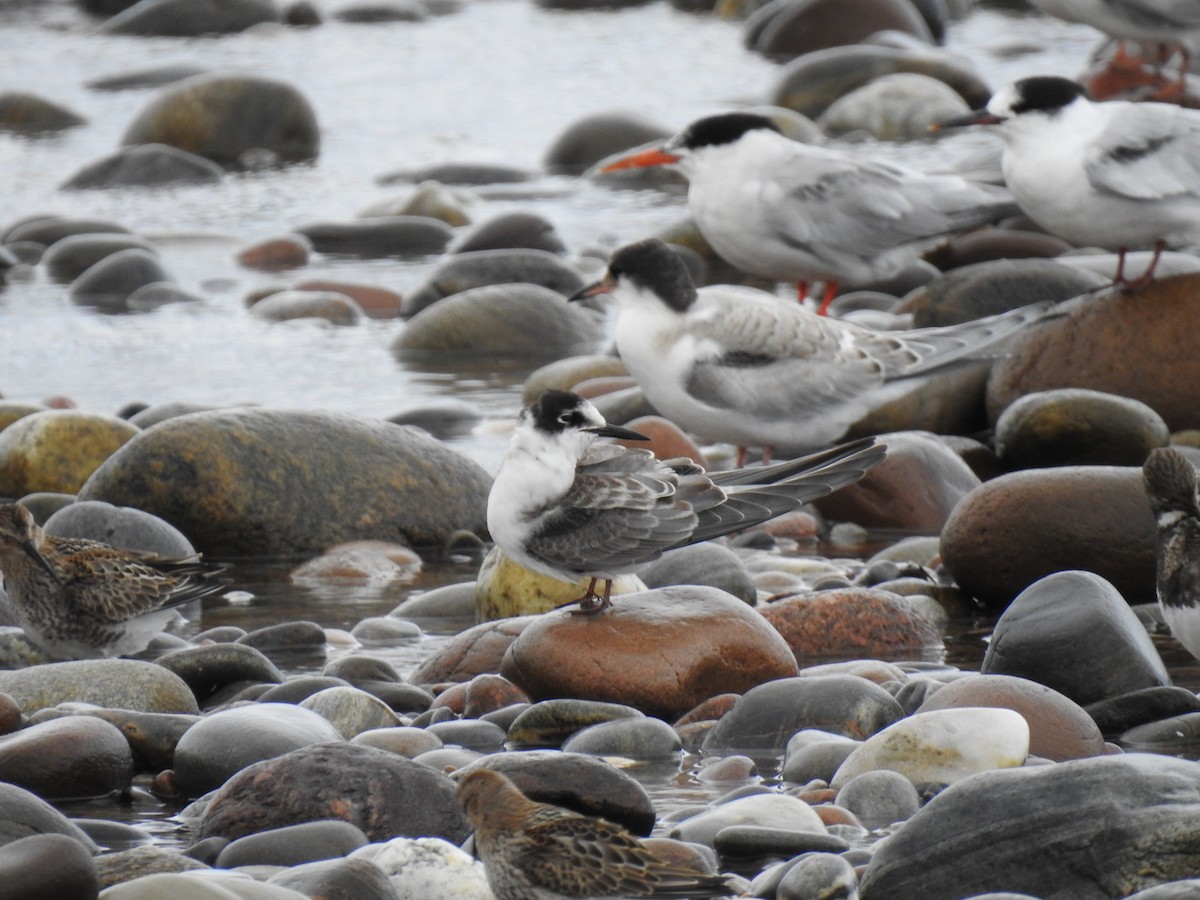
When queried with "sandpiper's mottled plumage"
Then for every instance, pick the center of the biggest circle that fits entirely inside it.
(80, 599)
(1171, 487)
(535, 851)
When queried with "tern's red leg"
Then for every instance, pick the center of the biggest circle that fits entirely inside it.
(740, 460)
(801, 291)
(1146, 277)
(831, 289)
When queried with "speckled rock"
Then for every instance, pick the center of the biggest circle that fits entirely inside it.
(862, 622)
(1075, 426)
(1102, 827)
(224, 117)
(208, 668)
(57, 450)
(1072, 631)
(763, 720)
(549, 723)
(216, 476)
(663, 651)
(383, 794)
(115, 683)
(520, 319)
(427, 867)
(351, 710)
(1133, 345)
(1015, 529)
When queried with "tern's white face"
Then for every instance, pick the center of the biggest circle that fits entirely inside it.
(1002, 102)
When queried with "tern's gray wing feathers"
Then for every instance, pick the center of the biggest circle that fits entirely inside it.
(1147, 153)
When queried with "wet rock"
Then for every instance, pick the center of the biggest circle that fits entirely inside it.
(154, 76)
(914, 489)
(57, 450)
(427, 867)
(814, 754)
(366, 562)
(481, 695)
(735, 843)
(482, 268)
(505, 589)
(1074, 632)
(583, 783)
(286, 306)
(224, 117)
(367, 479)
(819, 875)
(1101, 827)
(68, 258)
(392, 236)
(986, 288)
(476, 651)
(48, 229)
(595, 137)
(550, 723)
(512, 230)
(410, 742)
(123, 527)
(200, 883)
(856, 621)
(382, 11)
(350, 710)
(71, 758)
(777, 811)
(339, 879)
(1074, 426)
(225, 742)
(115, 683)
(47, 865)
(108, 284)
(811, 83)
(145, 165)
(383, 794)
(642, 738)
(23, 813)
(298, 688)
(375, 302)
(148, 859)
(942, 746)
(879, 797)
(662, 651)
(287, 637)
(1133, 345)
(464, 174)
(1059, 729)
(1017, 528)
(763, 720)
(293, 845)
(29, 114)
(151, 736)
(209, 668)
(444, 419)
(289, 251)
(150, 297)
(1174, 736)
(707, 563)
(472, 734)
(899, 107)
(508, 319)
(1114, 715)
(181, 18)
(796, 27)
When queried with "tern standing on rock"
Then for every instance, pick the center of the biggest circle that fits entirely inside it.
(741, 366)
(1171, 488)
(798, 213)
(568, 507)
(80, 599)
(1118, 175)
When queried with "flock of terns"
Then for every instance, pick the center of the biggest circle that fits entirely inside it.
(747, 368)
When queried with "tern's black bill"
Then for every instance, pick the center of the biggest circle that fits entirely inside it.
(616, 431)
(975, 117)
(603, 286)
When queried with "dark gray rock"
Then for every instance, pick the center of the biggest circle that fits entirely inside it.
(480, 268)
(68, 258)
(386, 236)
(634, 738)
(108, 284)
(211, 667)
(23, 813)
(707, 563)
(125, 527)
(600, 135)
(188, 18)
(145, 165)
(513, 230)
(45, 866)
(293, 845)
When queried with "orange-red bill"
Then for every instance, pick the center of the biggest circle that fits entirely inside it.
(655, 156)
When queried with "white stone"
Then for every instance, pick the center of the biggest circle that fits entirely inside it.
(422, 868)
(767, 810)
(942, 746)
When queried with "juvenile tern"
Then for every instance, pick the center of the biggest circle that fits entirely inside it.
(569, 507)
(1170, 481)
(537, 851)
(795, 212)
(1118, 175)
(738, 365)
(81, 599)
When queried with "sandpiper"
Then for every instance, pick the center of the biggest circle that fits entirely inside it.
(536, 851)
(1171, 487)
(81, 599)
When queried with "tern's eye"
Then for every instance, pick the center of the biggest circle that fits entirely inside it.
(566, 419)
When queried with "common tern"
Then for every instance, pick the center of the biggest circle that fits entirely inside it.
(1170, 481)
(795, 212)
(742, 366)
(81, 599)
(1118, 175)
(537, 851)
(568, 507)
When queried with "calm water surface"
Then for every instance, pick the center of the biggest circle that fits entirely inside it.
(496, 82)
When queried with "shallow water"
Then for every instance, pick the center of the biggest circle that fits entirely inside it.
(495, 82)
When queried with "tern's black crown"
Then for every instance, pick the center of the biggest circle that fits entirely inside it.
(557, 411)
(1047, 93)
(726, 128)
(654, 266)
